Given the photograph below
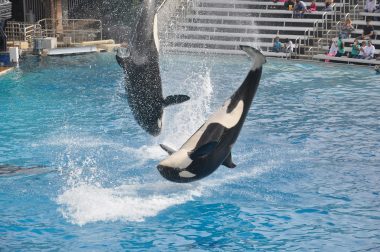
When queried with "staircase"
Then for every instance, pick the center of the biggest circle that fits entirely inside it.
(220, 26)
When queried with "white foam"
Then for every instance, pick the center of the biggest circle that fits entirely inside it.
(88, 203)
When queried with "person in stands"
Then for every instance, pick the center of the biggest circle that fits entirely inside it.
(299, 9)
(355, 49)
(277, 45)
(377, 69)
(369, 51)
(289, 4)
(333, 49)
(340, 46)
(312, 7)
(368, 31)
(289, 46)
(346, 28)
(361, 53)
(370, 6)
(328, 5)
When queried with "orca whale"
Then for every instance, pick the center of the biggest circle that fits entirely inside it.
(210, 146)
(140, 61)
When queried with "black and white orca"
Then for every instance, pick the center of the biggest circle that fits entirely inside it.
(140, 61)
(210, 146)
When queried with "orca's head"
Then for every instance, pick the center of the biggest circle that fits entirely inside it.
(176, 167)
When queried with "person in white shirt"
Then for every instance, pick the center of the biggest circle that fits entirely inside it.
(369, 51)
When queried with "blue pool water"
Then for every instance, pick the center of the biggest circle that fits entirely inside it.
(308, 159)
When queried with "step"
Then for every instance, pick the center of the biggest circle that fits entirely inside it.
(351, 40)
(347, 60)
(256, 19)
(348, 49)
(363, 22)
(222, 43)
(238, 35)
(368, 14)
(221, 51)
(264, 3)
(254, 11)
(256, 27)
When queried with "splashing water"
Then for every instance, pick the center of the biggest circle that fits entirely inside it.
(86, 199)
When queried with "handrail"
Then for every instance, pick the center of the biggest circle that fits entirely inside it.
(356, 15)
(18, 31)
(299, 44)
(306, 35)
(78, 29)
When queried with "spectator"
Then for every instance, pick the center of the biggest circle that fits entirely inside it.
(368, 31)
(289, 46)
(289, 4)
(370, 6)
(299, 9)
(377, 69)
(313, 6)
(346, 28)
(328, 5)
(277, 45)
(340, 46)
(369, 51)
(355, 49)
(333, 49)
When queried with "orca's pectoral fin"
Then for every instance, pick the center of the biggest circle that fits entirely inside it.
(167, 149)
(175, 99)
(203, 150)
(228, 162)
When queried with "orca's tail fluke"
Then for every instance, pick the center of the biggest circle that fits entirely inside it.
(258, 59)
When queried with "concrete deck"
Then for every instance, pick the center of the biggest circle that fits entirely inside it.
(4, 70)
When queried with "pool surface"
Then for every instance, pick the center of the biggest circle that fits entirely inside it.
(308, 159)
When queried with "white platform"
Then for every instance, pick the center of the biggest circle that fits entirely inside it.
(71, 50)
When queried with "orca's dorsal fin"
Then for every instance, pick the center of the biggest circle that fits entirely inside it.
(167, 149)
(228, 162)
(203, 150)
(175, 99)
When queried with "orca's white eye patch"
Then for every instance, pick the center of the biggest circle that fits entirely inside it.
(159, 123)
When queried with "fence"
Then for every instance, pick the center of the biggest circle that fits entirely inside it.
(78, 29)
(17, 31)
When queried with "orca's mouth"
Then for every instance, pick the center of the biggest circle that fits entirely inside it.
(170, 173)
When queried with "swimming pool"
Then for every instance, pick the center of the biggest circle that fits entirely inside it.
(307, 159)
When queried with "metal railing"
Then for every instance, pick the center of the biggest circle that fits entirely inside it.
(18, 31)
(79, 30)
